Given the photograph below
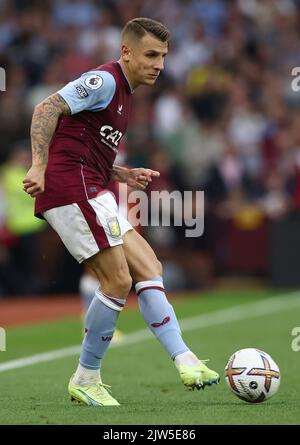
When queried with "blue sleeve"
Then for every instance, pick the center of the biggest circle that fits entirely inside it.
(93, 91)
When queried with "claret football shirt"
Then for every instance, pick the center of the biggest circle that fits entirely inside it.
(84, 145)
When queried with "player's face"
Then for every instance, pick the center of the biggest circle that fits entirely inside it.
(145, 60)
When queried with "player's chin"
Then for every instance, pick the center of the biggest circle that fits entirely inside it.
(150, 80)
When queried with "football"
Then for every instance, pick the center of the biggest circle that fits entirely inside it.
(252, 375)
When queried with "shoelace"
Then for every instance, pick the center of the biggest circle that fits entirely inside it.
(100, 389)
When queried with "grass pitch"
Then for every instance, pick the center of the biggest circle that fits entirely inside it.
(143, 378)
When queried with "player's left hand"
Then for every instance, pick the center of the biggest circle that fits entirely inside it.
(139, 178)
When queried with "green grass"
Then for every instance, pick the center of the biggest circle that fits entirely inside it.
(144, 379)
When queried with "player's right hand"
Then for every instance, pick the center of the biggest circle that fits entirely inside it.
(34, 181)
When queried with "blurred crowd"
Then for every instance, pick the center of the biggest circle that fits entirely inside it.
(222, 118)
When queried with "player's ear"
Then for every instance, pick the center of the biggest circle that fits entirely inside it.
(125, 51)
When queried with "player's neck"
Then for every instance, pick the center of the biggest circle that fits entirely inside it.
(133, 85)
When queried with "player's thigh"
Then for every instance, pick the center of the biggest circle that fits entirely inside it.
(141, 259)
(92, 232)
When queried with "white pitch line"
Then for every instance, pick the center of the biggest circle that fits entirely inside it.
(235, 313)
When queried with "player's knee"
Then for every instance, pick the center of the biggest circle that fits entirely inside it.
(119, 285)
(124, 284)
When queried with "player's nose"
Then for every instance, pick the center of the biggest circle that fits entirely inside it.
(159, 65)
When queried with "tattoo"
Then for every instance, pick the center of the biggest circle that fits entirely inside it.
(43, 125)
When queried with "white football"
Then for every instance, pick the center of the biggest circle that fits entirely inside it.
(252, 375)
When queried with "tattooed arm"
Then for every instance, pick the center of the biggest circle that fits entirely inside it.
(43, 125)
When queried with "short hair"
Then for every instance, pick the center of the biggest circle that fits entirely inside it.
(138, 27)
